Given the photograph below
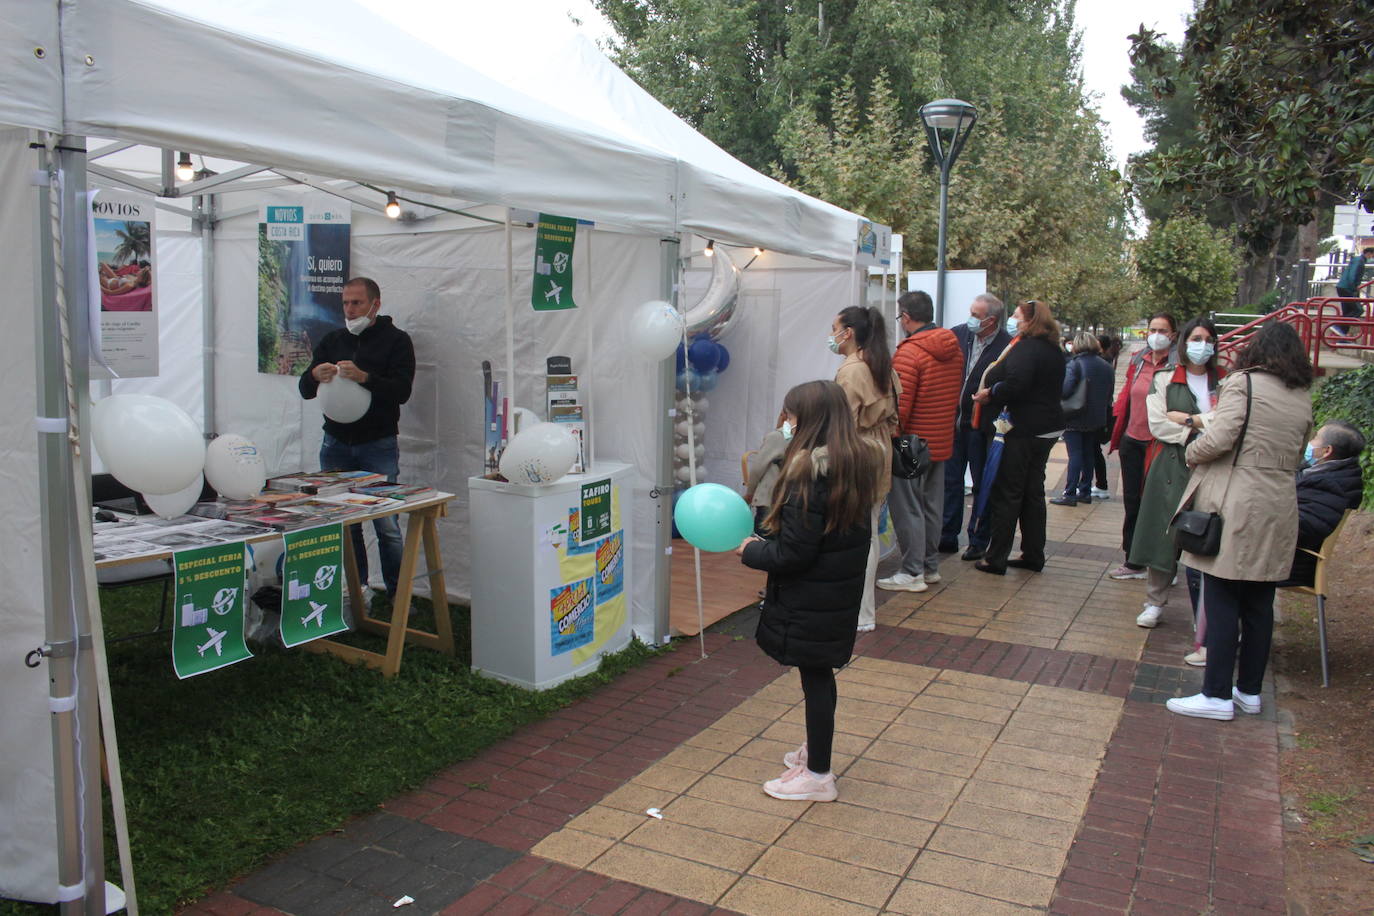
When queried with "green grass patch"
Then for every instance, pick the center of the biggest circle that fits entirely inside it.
(225, 770)
(1328, 804)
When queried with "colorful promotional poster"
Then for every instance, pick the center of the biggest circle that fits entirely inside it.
(553, 271)
(123, 272)
(303, 258)
(312, 585)
(610, 567)
(208, 631)
(572, 616)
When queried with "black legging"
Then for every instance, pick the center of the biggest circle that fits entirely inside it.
(818, 686)
(1132, 486)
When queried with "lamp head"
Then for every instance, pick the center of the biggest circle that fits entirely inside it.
(185, 170)
(393, 208)
(950, 115)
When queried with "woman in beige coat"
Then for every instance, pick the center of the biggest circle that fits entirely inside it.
(871, 387)
(1252, 488)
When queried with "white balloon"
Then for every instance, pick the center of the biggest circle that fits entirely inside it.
(655, 330)
(522, 418)
(148, 443)
(699, 429)
(170, 505)
(685, 473)
(702, 403)
(684, 451)
(701, 450)
(681, 428)
(539, 455)
(684, 404)
(234, 467)
(344, 400)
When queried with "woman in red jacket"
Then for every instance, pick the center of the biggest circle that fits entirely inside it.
(1131, 432)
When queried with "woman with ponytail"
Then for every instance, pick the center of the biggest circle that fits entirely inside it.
(814, 549)
(871, 388)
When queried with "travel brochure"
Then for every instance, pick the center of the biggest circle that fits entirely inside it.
(348, 494)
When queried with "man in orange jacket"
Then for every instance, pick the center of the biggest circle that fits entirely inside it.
(930, 364)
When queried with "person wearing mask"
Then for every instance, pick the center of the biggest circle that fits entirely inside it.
(1026, 381)
(376, 354)
(1179, 405)
(982, 340)
(860, 336)
(1243, 466)
(1331, 483)
(1131, 433)
(930, 366)
(1086, 367)
(764, 465)
(1111, 352)
(815, 553)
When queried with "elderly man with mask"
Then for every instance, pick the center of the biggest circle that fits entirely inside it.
(981, 340)
(1331, 484)
(379, 356)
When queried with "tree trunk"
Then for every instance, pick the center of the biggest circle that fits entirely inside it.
(1257, 277)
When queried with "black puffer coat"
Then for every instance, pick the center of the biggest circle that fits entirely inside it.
(815, 582)
(1325, 491)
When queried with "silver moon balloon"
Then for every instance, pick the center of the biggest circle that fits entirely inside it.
(716, 312)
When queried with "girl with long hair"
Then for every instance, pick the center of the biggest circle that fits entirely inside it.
(815, 549)
(871, 389)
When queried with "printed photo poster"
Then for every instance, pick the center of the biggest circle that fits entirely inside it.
(572, 616)
(208, 625)
(610, 567)
(312, 585)
(123, 281)
(303, 256)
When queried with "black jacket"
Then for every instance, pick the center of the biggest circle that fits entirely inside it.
(1325, 491)
(815, 583)
(386, 354)
(1097, 409)
(973, 375)
(1028, 383)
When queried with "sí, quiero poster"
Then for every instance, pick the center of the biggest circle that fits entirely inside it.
(123, 273)
(303, 249)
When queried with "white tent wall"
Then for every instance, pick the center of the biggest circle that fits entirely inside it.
(28, 825)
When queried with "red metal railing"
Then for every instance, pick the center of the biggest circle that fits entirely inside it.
(1319, 322)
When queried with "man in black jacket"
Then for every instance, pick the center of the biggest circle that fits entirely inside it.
(1330, 486)
(379, 356)
(982, 339)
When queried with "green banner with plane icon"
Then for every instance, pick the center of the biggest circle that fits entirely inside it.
(553, 270)
(312, 585)
(208, 631)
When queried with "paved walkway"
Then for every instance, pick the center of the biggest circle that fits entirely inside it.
(1003, 748)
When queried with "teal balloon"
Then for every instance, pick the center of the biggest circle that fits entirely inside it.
(713, 517)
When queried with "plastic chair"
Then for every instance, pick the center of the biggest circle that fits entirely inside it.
(1318, 586)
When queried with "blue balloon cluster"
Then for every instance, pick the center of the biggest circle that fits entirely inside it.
(699, 363)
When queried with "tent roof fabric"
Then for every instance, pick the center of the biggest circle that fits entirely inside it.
(330, 88)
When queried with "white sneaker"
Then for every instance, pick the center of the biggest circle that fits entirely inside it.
(866, 627)
(1247, 702)
(1099, 493)
(1149, 617)
(1125, 572)
(932, 578)
(800, 784)
(795, 758)
(1197, 659)
(1200, 706)
(903, 582)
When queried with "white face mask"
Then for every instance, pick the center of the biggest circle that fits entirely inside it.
(1199, 351)
(975, 324)
(357, 325)
(1013, 325)
(1157, 341)
(787, 430)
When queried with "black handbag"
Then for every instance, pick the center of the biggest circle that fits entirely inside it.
(910, 453)
(1199, 532)
(1077, 401)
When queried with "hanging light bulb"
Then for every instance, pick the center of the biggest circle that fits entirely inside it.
(757, 251)
(185, 170)
(393, 209)
(710, 248)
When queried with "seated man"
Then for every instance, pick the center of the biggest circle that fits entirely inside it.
(1330, 485)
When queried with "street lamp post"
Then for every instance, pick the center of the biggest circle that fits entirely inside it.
(948, 115)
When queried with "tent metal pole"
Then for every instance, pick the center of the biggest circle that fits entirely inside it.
(72, 675)
(204, 218)
(669, 250)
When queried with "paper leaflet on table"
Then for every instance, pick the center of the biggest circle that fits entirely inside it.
(572, 616)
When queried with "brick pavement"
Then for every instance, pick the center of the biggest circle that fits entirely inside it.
(989, 765)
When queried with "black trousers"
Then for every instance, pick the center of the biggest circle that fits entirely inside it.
(1099, 459)
(1132, 484)
(1237, 612)
(1018, 496)
(818, 687)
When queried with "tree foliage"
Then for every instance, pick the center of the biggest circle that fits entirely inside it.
(827, 97)
(1188, 266)
(1283, 97)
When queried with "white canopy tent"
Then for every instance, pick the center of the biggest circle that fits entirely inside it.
(247, 82)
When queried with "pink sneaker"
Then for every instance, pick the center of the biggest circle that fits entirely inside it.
(800, 784)
(795, 758)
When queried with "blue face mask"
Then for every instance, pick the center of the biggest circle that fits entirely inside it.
(1013, 325)
(787, 430)
(833, 344)
(1308, 459)
(975, 324)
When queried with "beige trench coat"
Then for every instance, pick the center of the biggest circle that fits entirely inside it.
(875, 413)
(1259, 509)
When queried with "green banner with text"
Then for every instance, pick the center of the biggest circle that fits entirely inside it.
(312, 585)
(596, 510)
(553, 255)
(209, 609)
